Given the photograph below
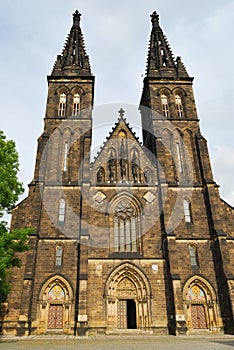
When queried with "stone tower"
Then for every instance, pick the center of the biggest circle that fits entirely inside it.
(138, 239)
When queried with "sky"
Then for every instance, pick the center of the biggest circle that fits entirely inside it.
(32, 34)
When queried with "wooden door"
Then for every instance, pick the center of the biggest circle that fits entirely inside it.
(55, 317)
(198, 316)
(122, 314)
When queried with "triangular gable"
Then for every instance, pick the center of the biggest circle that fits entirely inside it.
(122, 158)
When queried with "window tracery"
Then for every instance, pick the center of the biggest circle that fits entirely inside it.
(125, 227)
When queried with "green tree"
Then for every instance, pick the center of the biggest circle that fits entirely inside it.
(13, 241)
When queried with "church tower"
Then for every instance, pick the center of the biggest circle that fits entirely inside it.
(196, 245)
(137, 240)
(53, 207)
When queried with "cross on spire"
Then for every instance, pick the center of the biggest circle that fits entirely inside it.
(76, 18)
(121, 112)
(155, 19)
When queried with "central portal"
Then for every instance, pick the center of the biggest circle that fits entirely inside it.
(127, 314)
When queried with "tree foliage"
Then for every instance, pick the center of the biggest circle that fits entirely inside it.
(10, 189)
(10, 243)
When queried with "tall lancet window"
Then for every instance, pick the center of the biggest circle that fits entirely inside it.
(179, 106)
(165, 108)
(187, 211)
(179, 157)
(65, 156)
(126, 228)
(62, 105)
(193, 255)
(59, 256)
(76, 104)
(62, 210)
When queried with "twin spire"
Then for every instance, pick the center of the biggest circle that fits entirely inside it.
(160, 63)
(74, 59)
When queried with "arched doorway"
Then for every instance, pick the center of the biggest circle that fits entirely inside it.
(56, 298)
(201, 308)
(127, 294)
(55, 307)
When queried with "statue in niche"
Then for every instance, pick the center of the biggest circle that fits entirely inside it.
(100, 175)
(135, 170)
(147, 175)
(123, 168)
(123, 161)
(111, 167)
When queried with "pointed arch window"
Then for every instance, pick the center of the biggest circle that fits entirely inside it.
(126, 228)
(187, 211)
(165, 108)
(65, 156)
(179, 106)
(179, 157)
(76, 104)
(193, 255)
(62, 105)
(59, 256)
(62, 210)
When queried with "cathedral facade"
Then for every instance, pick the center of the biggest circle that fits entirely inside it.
(137, 240)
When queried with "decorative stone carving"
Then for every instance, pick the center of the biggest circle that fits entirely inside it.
(126, 289)
(135, 169)
(147, 175)
(111, 167)
(149, 197)
(99, 197)
(155, 268)
(100, 175)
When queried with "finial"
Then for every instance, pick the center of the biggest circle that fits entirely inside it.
(155, 19)
(121, 112)
(76, 17)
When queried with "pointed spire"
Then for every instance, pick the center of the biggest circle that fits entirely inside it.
(73, 60)
(161, 62)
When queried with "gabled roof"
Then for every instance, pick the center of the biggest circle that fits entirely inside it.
(119, 125)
